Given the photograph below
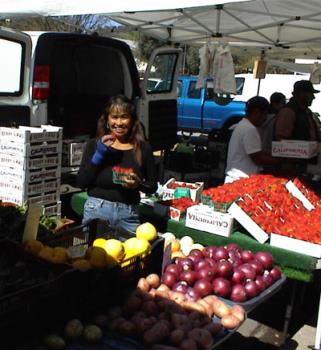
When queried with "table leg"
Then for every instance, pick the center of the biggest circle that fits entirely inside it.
(288, 313)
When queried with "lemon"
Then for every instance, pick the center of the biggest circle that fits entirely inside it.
(146, 231)
(115, 249)
(134, 246)
(99, 242)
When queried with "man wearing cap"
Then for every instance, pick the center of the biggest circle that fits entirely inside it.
(295, 121)
(245, 155)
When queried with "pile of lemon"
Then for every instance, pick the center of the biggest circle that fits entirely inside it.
(121, 252)
(103, 253)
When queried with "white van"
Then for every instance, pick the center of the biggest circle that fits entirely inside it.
(272, 83)
(65, 79)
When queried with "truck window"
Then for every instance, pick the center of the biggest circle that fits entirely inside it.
(179, 88)
(239, 85)
(192, 91)
(11, 65)
(163, 69)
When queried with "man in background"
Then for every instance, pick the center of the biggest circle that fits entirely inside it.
(277, 102)
(245, 155)
(296, 121)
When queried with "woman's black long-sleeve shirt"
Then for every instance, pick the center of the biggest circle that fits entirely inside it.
(97, 180)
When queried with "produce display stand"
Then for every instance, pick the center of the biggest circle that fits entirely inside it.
(295, 266)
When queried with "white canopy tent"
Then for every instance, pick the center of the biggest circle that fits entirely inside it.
(270, 24)
(283, 26)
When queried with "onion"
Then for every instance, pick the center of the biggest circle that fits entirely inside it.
(209, 251)
(246, 255)
(221, 287)
(233, 255)
(260, 283)
(194, 258)
(212, 263)
(174, 268)
(233, 246)
(206, 273)
(238, 277)
(201, 264)
(192, 294)
(275, 273)
(265, 258)
(251, 289)
(186, 264)
(238, 293)
(224, 268)
(257, 265)
(180, 287)
(203, 287)
(196, 252)
(169, 279)
(248, 271)
(237, 263)
(220, 254)
(267, 279)
(189, 277)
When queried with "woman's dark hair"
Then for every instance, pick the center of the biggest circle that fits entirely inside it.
(135, 134)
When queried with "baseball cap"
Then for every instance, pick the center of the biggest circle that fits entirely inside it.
(304, 85)
(257, 102)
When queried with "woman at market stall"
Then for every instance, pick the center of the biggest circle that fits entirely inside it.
(116, 166)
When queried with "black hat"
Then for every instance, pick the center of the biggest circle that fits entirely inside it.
(257, 102)
(304, 85)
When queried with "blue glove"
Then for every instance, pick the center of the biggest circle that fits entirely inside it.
(99, 155)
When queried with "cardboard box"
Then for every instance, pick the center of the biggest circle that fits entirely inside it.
(252, 227)
(53, 210)
(296, 245)
(13, 161)
(168, 211)
(295, 149)
(71, 159)
(70, 147)
(30, 176)
(26, 134)
(204, 218)
(168, 193)
(30, 150)
(28, 189)
(20, 198)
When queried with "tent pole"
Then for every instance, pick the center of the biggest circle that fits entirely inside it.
(259, 82)
(258, 87)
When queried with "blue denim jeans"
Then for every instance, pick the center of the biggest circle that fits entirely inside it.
(121, 216)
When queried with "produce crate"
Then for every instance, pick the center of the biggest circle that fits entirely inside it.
(27, 285)
(251, 304)
(221, 206)
(109, 284)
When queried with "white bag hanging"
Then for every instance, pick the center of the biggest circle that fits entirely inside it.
(205, 63)
(223, 71)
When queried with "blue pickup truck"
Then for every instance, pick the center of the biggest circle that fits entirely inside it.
(199, 110)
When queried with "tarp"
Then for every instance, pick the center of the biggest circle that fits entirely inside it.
(10, 8)
(260, 23)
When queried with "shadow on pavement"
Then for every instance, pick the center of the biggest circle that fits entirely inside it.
(239, 342)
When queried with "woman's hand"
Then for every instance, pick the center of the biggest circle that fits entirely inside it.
(108, 140)
(132, 181)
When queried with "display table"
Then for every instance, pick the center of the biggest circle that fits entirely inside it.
(294, 265)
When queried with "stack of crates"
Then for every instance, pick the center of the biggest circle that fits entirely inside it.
(72, 152)
(30, 166)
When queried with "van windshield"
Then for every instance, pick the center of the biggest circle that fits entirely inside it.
(11, 58)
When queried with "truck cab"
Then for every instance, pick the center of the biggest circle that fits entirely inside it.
(199, 109)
